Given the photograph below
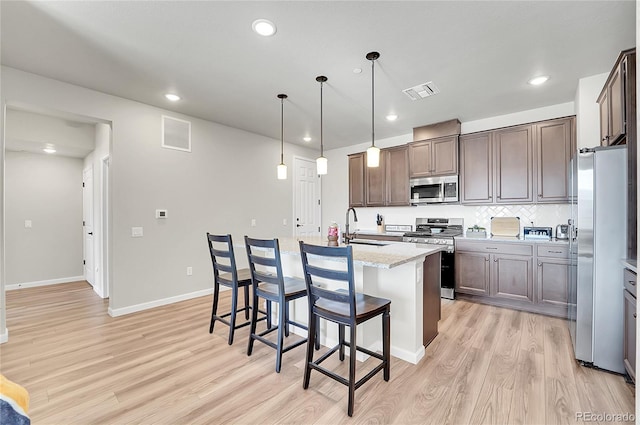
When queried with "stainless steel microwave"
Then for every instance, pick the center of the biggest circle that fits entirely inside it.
(431, 190)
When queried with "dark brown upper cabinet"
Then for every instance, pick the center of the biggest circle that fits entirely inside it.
(435, 157)
(555, 143)
(513, 151)
(617, 101)
(385, 185)
(517, 165)
(476, 168)
(397, 175)
(356, 180)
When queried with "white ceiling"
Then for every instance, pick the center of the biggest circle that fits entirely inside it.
(479, 53)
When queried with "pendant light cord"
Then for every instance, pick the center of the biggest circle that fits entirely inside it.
(321, 135)
(281, 130)
(373, 134)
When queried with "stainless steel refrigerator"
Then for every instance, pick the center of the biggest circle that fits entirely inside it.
(597, 246)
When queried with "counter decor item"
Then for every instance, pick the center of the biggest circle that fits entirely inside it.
(332, 235)
(505, 227)
(380, 223)
(538, 233)
(476, 232)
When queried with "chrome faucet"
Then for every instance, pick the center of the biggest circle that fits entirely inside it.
(347, 236)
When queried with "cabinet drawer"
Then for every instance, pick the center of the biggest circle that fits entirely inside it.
(495, 248)
(555, 251)
(630, 280)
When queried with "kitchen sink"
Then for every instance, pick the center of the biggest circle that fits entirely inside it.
(368, 242)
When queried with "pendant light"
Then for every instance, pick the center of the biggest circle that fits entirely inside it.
(373, 153)
(321, 162)
(282, 169)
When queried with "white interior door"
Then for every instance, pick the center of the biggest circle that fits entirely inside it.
(87, 221)
(306, 198)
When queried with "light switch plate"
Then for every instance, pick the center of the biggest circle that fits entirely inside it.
(136, 232)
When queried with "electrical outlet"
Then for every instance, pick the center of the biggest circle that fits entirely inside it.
(28, 224)
(253, 222)
(284, 221)
(189, 271)
(136, 232)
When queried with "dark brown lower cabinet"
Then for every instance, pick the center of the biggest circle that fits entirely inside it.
(503, 274)
(430, 297)
(629, 335)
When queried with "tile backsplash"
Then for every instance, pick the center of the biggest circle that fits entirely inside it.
(545, 215)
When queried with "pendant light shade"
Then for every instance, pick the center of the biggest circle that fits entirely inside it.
(321, 162)
(373, 153)
(282, 169)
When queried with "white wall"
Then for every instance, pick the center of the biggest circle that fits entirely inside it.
(48, 191)
(588, 111)
(335, 190)
(228, 179)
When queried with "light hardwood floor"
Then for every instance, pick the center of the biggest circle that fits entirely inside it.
(487, 366)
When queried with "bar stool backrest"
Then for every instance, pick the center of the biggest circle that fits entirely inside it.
(223, 258)
(316, 290)
(271, 270)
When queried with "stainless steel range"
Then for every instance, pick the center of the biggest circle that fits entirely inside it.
(440, 231)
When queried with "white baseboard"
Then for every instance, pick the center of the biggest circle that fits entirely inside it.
(43, 283)
(4, 336)
(115, 312)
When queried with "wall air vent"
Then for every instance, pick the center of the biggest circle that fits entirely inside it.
(421, 91)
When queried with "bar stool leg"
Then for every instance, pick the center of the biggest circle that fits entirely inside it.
(341, 341)
(386, 344)
(282, 323)
(214, 308)
(254, 320)
(352, 368)
(286, 319)
(246, 302)
(313, 322)
(234, 309)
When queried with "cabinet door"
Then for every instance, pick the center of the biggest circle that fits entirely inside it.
(356, 180)
(375, 188)
(553, 284)
(514, 164)
(629, 348)
(554, 142)
(444, 160)
(472, 273)
(512, 277)
(420, 159)
(616, 104)
(397, 178)
(603, 104)
(476, 169)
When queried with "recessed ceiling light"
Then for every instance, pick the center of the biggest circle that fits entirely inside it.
(539, 80)
(392, 117)
(357, 70)
(264, 27)
(172, 97)
(49, 150)
(306, 139)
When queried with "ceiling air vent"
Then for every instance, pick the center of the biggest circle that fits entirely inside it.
(421, 91)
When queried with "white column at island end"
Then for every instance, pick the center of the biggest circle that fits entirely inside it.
(393, 271)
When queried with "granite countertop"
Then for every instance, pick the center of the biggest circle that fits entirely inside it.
(508, 239)
(631, 265)
(385, 256)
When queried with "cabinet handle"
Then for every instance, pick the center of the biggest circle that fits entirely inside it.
(632, 282)
(488, 247)
(495, 260)
(554, 252)
(539, 264)
(486, 259)
(634, 315)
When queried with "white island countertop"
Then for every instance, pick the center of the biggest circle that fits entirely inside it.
(387, 256)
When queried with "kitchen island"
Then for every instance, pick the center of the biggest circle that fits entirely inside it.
(407, 274)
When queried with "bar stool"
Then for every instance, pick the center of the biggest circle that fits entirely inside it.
(226, 274)
(270, 284)
(344, 307)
